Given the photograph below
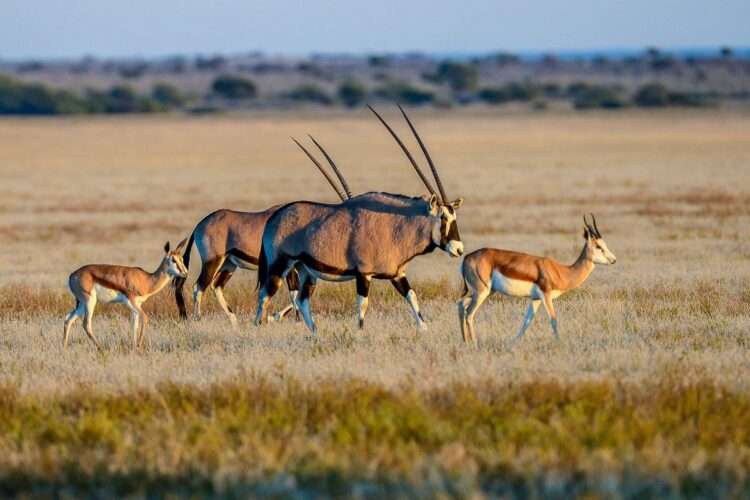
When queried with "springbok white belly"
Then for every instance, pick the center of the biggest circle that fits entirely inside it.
(107, 295)
(513, 287)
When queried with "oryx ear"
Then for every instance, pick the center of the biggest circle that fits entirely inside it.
(181, 245)
(166, 247)
(434, 204)
(456, 204)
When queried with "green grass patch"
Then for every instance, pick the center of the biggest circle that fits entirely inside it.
(255, 437)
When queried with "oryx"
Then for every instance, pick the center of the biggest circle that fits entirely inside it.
(229, 239)
(373, 235)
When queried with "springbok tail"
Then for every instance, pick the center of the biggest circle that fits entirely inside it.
(179, 283)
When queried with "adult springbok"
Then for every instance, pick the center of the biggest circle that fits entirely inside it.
(373, 235)
(228, 240)
(516, 274)
(131, 286)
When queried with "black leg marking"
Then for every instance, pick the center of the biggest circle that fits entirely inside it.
(363, 290)
(208, 272)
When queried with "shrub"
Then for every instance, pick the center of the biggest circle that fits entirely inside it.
(405, 93)
(167, 95)
(310, 93)
(514, 91)
(352, 93)
(494, 95)
(234, 87)
(460, 77)
(652, 95)
(589, 96)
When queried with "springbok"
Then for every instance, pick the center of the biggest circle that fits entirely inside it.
(228, 239)
(131, 286)
(516, 274)
(373, 235)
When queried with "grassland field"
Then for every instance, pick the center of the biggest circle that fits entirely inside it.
(646, 394)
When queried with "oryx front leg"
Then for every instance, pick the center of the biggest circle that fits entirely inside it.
(530, 313)
(403, 287)
(363, 292)
(308, 287)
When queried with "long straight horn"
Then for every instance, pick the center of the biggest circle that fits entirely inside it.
(322, 171)
(406, 152)
(344, 184)
(596, 228)
(426, 155)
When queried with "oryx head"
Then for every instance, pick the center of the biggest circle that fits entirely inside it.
(173, 260)
(596, 248)
(445, 227)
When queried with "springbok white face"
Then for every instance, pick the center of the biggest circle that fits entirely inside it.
(598, 250)
(445, 229)
(175, 265)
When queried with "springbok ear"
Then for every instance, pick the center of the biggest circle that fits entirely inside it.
(181, 245)
(433, 204)
(456, 204)
(166, 247)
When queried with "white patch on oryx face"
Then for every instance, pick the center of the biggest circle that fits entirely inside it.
(602, 255)
(445, 231)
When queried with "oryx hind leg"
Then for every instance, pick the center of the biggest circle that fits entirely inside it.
(308, 283)
(268, 289)
(363, 293)
(221, 280)
(70, 319)
(292, 284)
(209, 270)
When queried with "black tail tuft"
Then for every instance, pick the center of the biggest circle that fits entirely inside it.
(179, 283)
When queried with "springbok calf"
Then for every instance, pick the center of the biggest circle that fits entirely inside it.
(370, 236)
(131, 286)
(228, 239)
(516, 274)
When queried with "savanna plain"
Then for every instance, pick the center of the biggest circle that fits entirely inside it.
(647, 394)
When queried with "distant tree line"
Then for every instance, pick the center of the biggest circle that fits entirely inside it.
(22, 98)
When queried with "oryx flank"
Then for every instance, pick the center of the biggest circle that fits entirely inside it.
(131, 286)
(228, 240)
(373, 235)
(516, 274)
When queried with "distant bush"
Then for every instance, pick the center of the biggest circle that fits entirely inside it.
(405, 93)
(167, 95)
(234, 87)
(590, 96)
(514, 91)
(352, 93)
(378, 61)
(461, 77)
(654, 95)
(20, 98)
(310, 93)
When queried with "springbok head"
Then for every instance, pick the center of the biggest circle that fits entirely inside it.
(173, 260)
(445, 226)
(596, 247)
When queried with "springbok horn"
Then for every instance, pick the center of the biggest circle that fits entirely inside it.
(406, 152)
(596, 228)
(344, 184)
(322, 171)
(427, 155)
(587, 225)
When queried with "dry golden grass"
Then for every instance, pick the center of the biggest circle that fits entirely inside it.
(671, 193)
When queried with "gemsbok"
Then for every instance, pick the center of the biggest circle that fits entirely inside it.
(228, 239)
(373, 235)
(516, 274)
(131, 286)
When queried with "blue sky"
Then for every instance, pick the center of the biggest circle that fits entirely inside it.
(71, 28)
